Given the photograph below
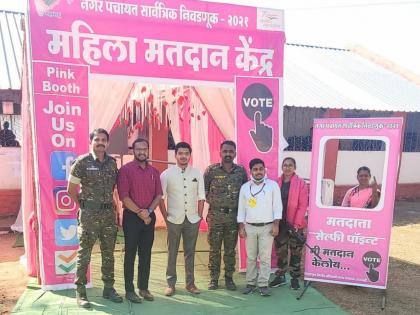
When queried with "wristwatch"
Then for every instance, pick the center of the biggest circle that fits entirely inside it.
(150, 210)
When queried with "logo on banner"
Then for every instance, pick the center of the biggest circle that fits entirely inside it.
(257, 105)
(270, 20)
(66, 232)
(61, 164)
(65, 262)
(44, 7)
(372, 260)
(63, 203)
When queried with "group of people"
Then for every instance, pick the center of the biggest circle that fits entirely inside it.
(258, 209)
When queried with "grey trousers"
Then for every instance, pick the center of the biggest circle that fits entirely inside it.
(189, 233)
(259, 243)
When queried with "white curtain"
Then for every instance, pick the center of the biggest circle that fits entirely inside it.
(173, 114)
(219, 103)
(18, 225)
(199, 133)
(107, 97)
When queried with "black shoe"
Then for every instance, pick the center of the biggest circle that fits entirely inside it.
(112, 295)
(133, 297)
(249, 289)
(213, 284)
(264, 291)
(294, 284)
(278, 281)
(230, 285)
(82, 300)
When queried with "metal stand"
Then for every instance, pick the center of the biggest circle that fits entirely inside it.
(383, 300)
(308, 283)
(305, 287)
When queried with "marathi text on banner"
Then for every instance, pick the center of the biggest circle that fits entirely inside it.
(112, 7)
(94, 46)
(196, 55)
(248, 58)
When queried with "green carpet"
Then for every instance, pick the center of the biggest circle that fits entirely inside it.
(282, 301)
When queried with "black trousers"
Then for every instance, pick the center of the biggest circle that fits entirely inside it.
(139, 239)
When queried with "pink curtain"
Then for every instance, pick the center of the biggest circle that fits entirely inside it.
(28, 188)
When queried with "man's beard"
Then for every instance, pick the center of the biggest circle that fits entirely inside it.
(141, 160)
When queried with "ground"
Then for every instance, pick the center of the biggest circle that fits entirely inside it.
(13, 277)
(402, 295)
(403, 284)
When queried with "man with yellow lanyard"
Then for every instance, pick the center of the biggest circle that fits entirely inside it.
(259, 212)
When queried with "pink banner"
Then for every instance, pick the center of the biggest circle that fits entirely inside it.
(351, 245)
(187, 40)
(258, 107)
(62, 122)
(170, 41)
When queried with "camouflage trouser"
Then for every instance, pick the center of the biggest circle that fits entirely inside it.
(95, 224)
(284, 243)
(228, 234)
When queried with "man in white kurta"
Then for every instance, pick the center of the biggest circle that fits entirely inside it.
(259, 211)
(183, 187)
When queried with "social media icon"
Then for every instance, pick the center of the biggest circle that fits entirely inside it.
(66, 232)
(61, 164)
(63, 203)
(65, 262)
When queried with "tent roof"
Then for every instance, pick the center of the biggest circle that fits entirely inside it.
(11, 49)
(339, 78)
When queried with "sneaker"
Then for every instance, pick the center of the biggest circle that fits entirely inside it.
(133, 297)
(192, 289)
(213, 284)
(294, 284)
(278, 281)
(112, 295)
(145, 294)
(230, 285)
(249, 289)
(264, 291)
(169, 291)
(82, 300)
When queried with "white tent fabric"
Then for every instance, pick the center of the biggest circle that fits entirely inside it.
(113, 95)
(219, 103)
(173, 117)
(18, 225)
(107, 96)
(199, 134)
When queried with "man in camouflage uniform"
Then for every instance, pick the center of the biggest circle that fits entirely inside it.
(222, 183)
(96, 172)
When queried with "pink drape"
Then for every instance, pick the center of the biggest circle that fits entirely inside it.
(28, 175)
